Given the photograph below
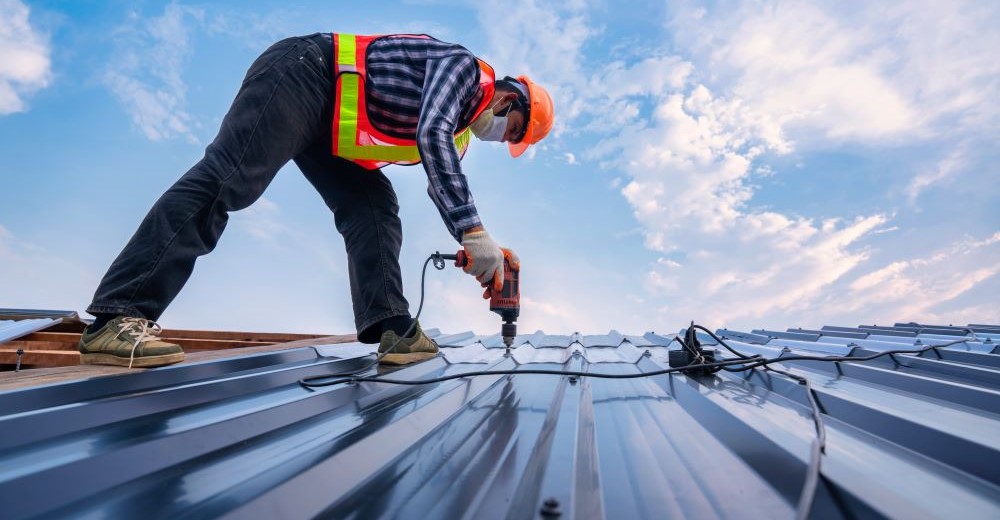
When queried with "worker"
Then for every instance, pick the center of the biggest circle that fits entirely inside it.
(342, 107)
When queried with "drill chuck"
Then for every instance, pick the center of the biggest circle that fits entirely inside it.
(509, 331)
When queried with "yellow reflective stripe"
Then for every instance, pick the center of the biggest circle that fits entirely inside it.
(462, 140)
(350, 103)
(346, 49)
(348, 126)
(347, 130)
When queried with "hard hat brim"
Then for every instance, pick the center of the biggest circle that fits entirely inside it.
(516, 149)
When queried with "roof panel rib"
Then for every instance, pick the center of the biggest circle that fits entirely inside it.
(907, 435)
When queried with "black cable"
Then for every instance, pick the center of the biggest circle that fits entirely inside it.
(310, 382)
(761, 361)
(719, 340)
(817, 449)
(745, 362)
(818, 446)
(307, 382)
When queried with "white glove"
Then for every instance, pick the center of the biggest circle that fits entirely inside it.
(485, 258)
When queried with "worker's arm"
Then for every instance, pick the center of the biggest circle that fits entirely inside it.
(450, 82)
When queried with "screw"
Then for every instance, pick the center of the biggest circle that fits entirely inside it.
(17, 367)
(550, 508)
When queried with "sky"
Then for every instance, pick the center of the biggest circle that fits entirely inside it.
(761, 164)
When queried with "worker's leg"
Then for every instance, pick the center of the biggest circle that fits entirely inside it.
(278, 111)
(366, 213)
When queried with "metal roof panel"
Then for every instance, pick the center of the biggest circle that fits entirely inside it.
(13, 329)
(907, 436)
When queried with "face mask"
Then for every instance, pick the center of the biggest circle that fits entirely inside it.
(488, 127)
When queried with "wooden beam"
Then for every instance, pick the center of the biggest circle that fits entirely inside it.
(44, 376)
(37, 345)
(49, 358)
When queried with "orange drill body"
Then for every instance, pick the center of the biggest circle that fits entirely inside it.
(506, 302)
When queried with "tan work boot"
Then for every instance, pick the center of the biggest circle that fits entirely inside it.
(408, 350)
(128, 342)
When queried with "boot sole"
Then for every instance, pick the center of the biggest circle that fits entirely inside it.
(406, 359)
(139, 362)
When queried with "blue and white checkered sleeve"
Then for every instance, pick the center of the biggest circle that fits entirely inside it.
(450, 82)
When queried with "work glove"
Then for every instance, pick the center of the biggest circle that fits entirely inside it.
(486, 259)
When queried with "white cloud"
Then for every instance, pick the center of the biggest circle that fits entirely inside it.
(925, 289)
(754, 80)
(145, 72)
(26, 65)
(854, 70)
(878, 75)
(689, 164)
(944, 170)
(549, 45)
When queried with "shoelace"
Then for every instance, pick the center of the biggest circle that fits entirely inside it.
(149, 331)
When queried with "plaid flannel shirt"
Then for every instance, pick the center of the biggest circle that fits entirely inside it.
(425, 89)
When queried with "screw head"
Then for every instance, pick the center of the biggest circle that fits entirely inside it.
(550, 507)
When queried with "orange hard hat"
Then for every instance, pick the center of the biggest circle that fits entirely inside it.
(540, 117)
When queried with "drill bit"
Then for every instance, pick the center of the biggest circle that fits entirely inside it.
(508, 331)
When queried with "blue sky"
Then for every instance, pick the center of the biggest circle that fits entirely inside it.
(740, 164)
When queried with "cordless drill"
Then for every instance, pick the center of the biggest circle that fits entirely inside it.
(506, 302)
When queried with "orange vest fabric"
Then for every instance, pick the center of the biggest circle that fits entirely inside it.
(354, 137)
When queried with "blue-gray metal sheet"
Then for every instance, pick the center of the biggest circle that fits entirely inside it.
(875, 330)
(639, 341)
(611, 339)
(902, 340)
(833, 333)
(800, 336)
(812, 346)
(659, 339)
(22, 314)
(460, 339)
(908, 436)
(743, 336)
(890, 331)
(13, 329)
(942, 337)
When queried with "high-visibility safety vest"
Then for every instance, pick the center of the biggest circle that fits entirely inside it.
(354, 137)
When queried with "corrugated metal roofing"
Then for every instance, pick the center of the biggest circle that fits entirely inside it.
(907, 436)
(13, 329)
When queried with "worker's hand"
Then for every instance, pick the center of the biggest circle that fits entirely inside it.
(515, 264)
(485, 258)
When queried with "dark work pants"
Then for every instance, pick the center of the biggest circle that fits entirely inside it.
(282, 112)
